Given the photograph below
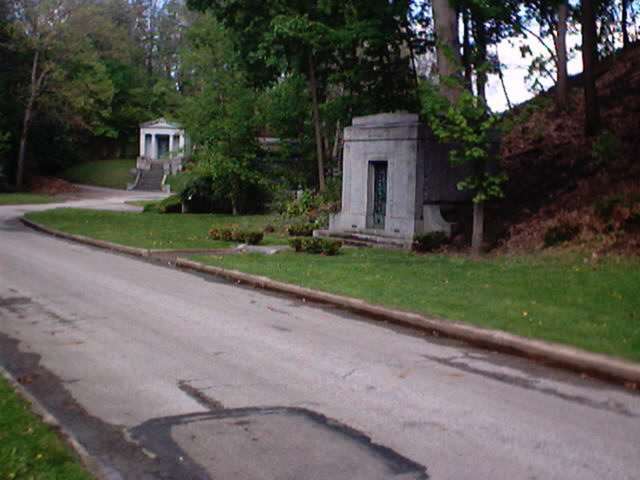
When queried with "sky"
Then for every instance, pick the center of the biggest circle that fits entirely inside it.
(516, 71)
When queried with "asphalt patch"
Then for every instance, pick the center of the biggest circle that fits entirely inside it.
(269, 443)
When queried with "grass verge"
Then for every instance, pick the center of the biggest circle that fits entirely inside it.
(30, 449)
(26, 198)
(150, 230)
(570, 300)
(102, 173)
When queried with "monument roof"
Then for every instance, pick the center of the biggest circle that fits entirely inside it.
(160, 123)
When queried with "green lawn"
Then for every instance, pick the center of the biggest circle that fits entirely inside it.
(29, 448)
(594, 306)
(25, 198)
(591, 304)
(141, 203)
(103, 173)
(149, 230)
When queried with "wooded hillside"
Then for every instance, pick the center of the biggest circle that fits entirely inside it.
(562, 179)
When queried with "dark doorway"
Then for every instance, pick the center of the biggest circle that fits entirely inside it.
(163, 145)
(379, 194)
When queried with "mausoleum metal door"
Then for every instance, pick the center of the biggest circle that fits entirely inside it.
(163, 145)
(379, 193)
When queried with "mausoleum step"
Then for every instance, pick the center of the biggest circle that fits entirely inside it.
(150, 180)
(365, 239)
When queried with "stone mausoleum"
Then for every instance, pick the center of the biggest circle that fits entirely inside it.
(163, 145)
(396, 182)
(161, 139)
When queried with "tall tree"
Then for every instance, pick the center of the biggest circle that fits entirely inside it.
(445, 19)
(562, 80)
(343, 48)
(624, 21)
(42, 30)
(589, 64)
(219, 111)
(548, 22)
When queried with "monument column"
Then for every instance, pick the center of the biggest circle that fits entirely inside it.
(154, 146)
(142, 143)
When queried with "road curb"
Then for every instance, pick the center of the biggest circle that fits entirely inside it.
(139, 252)
(562, 355)
(89, 462)
(595, 364)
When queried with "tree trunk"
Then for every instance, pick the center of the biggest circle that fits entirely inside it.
(504, 86)
(235, 207)
(477, 237)
(445, 21)
(589, 59)
(562, 85)
(313, 86)
(26, 121)
(480, 34)
(466, 51)
(625, 17)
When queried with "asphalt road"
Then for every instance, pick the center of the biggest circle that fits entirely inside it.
(115, 344)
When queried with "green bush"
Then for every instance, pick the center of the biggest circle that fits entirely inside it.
(304, 204)
(605, 148)
(563, 232)
(171, 204)
(150, 207)
(251, 237)
(300, 229)
(315, 245)
(430, 241)
(225, 234)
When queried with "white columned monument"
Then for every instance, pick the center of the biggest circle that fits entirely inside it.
(162, 147)
(163, 142)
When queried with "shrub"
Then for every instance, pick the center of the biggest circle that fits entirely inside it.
(300, 229)
(171, 204)
(563, 232)
(430, 241)
(225, 234)
(251, 237)
(304, 204)
(315, 245)
(150, 207)
(605, 148)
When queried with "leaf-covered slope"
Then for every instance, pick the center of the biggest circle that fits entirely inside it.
(561, 178)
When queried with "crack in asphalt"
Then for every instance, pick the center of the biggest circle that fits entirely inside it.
(527, 384)
(200, 397)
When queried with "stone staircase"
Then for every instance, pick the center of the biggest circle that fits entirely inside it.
(366, 239)
(150, 180)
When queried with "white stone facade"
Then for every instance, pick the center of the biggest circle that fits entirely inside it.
(390, 142)
(161, 140)
(394, 179)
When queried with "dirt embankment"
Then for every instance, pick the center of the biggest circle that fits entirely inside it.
(567, 189)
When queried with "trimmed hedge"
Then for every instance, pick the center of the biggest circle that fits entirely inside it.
(250, 237)
(430, 241)
(314, 245)
(300, 229)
